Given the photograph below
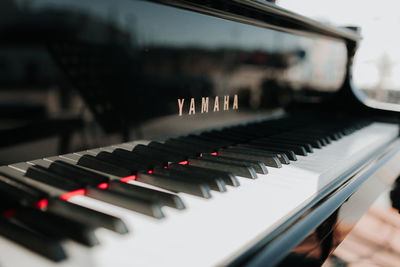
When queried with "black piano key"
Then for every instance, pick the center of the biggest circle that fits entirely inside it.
(7, 204)
(216, 184)
(11, 199)
(146, 150)
(175, 184)
(171, 150)
(323, 138)
(322, 141)
(331, 134)
(20, 176)
(43, 175)
(21, 192)
(265, 131)
(315, 143)
(137, 204)
(253, 134)
(348, 131)
(298, 149)
(86, 215)
(307, 146)
(48, 247)
(139, 158)
(187, 144)
(167, 199)
(193, 140)
(144, 206)
(216, 140)
(237, 168)
(70, 170)
(80, 180)
(57, 226)
(228, 177)
(140, 205)
(258, 166)
(158, 153)
(130, 165)
(310, 134)
(92, 162)
(283, 155)
(268, 159)
(336, 136)
(227, 132)
(223, 136)
(327, 136)
(245, 137)
(183, 152)
(185, 149)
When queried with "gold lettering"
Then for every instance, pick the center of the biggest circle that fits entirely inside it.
(192, 107)
(204, 104)
(235, 102)
(180, 105)
(226, 102)
(216, 104)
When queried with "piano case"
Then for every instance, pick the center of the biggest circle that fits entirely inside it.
(194, 133)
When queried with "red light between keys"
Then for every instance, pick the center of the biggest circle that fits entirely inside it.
(78, 192)
(42, 204)
(9, 213)
(128, 178)
(102, 186)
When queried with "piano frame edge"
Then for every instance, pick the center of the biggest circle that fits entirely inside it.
(249, 11)
(272, 248)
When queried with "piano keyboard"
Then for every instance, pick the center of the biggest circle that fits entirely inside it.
(198, 200)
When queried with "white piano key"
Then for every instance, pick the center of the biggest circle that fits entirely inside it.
(211, 231)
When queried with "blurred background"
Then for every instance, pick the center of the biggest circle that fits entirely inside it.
(375, 239)
(377, 62)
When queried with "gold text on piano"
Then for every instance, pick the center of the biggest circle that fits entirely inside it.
(205, 104)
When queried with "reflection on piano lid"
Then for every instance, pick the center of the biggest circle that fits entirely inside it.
(193, 132)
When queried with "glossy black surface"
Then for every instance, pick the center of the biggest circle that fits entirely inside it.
(318, 236)
(322, 242)
(93, 73)
(147, 68)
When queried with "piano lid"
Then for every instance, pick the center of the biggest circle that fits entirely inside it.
(135, 65)
(263, 13)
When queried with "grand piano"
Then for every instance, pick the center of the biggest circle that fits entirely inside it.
(189, 133)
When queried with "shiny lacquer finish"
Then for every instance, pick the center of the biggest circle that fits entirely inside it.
(375, 179)
(130, 66)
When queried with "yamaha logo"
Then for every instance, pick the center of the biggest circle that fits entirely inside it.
(191, 106)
